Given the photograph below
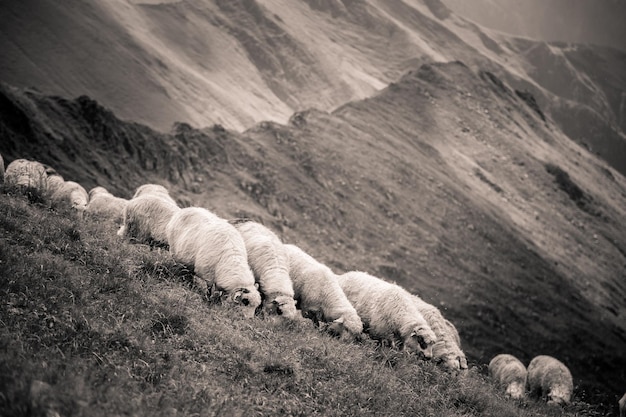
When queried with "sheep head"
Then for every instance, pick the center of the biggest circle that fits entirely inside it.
(515, 389)
(249, 298)
(282, 305)
(558, 395)
(449, 355)
(336, 327)
(421, 341)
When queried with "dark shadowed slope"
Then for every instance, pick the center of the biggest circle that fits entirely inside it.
(447, 182)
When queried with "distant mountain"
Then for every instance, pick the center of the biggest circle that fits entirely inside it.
(573, 21)
(450, 182)
(239, 62)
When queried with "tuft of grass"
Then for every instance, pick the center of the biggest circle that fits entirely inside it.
(93, 325)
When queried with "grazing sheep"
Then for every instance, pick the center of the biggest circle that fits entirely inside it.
(549, 378)
(151, 189)
(145, 219)
(217, 253)
(622, 406)
(270, 264)
(70, 194)
(27, 174)
(103, 204)
(388, 312)
(54, 183)
(319, 296)
(510, 373)
(447, 349)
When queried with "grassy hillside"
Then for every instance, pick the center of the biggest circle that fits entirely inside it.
(95, 326)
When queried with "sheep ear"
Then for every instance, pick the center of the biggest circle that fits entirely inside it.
(256, 285)
(339, 320)
(237, 296)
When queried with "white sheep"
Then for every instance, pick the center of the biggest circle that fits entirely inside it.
(622, 406)
(70, 194)
(27, 174)
(269, 262)
(103, 204)
(217, 253)
(550, 378)
(447, 349)
(510, 373)
(145, 219)
(388, 312)
(319, 296)
(54, 183)
(151, 189)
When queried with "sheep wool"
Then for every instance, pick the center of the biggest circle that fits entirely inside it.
(510, 373)
(447, 349)
(549, 378)
(270, 264)
(54, 183)
(27, 174)
(217, 253)
(151, 189)
(71, 195)
(145, 219)
(388, 312)
(319, 296)
(104, 205)
(622, 406)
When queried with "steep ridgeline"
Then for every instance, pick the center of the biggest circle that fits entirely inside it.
(239, 62)
(449, 182)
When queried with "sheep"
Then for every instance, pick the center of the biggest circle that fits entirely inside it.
(216, 251)
(510, 373)
(54, 183)
(622, 406)
(103, 204)
(151, 189)
(25, 174)
(268, 260)
(447, 349)
(388, 312)
(550, 378)
(70, 194)
(145, 219)
(319, 296)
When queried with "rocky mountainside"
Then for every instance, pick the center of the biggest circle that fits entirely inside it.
(449, 181)
(240, 62)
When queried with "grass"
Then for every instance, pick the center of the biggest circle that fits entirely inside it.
(91, 325)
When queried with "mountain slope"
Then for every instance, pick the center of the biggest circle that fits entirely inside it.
(449, 182)
(240, 62)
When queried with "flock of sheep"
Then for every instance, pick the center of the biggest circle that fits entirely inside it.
(244, 263)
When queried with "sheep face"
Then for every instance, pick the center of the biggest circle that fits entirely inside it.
(249, 299)
(336, 327)
(420, 341)
(452, 362)
(558, 395)
(515, 390)
(282, 305)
